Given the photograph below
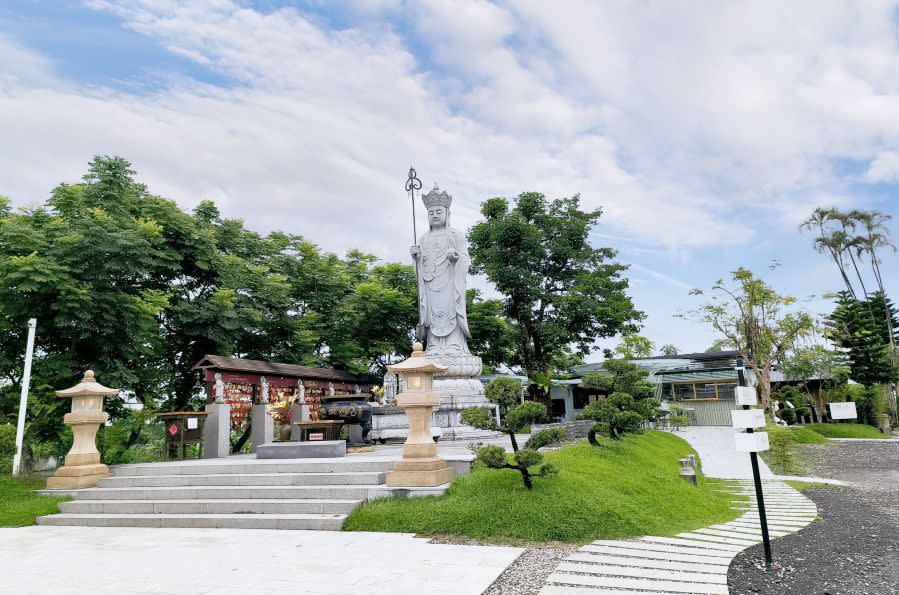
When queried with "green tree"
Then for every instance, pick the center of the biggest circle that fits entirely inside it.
(633, 346)
(756, 320)
(505, 392)
(630, 404)
(560, 294)
(668, 350)
(862, 338)
(127, 283)
(491, 332)
(805, 363)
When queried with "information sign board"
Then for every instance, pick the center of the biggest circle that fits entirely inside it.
(843, 411)
(748, 418)
(755, 442)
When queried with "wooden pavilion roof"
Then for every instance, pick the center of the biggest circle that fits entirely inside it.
(255, 366)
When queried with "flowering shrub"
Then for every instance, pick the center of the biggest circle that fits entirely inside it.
(279, 405)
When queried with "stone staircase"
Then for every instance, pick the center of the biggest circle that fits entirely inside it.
(234, 494)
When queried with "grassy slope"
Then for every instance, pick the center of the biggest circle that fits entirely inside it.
(842, 430)
(19, 505)
(626, 488)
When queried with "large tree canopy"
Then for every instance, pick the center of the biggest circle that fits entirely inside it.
(560, 293)
(127, 283)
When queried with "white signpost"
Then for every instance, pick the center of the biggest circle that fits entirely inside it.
(843, 410)
(23, 397)
(752, 442)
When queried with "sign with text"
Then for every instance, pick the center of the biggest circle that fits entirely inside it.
(755, 442)
(747, 418)
(843, 411)
(316, 436)
(192, 423)
(745, 395)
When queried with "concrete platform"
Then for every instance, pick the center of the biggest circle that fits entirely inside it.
(104, 560)
(325, 449)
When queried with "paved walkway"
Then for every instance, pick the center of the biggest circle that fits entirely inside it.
(692, 562)
(236, 562)
(717, 452)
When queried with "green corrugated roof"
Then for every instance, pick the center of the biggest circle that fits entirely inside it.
(695, 376)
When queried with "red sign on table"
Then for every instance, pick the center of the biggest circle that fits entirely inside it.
(316, 436)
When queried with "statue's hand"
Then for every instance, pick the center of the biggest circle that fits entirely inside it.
(414, 251)
(452, 255)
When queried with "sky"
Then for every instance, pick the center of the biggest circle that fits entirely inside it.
(706, 131)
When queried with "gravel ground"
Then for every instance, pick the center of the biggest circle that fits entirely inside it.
(527, 574)
(854, 547)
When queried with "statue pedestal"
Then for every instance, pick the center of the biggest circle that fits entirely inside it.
(217, 431)
(262, 430)
(420, 465)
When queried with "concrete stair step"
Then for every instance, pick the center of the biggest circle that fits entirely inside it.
(220, 466)
(207, 506)
(245, 479)
(314, 522)
(328, 492)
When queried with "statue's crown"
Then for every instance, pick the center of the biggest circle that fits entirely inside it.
(437, 197)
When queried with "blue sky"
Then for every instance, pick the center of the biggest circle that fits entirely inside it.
(706, 132)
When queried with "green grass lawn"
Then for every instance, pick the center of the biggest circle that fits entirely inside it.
(19, 505)
(625, 488)
(841, 430)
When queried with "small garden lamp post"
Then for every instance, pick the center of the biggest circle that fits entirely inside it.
(420, 465)
(752, 442)
(83, 468)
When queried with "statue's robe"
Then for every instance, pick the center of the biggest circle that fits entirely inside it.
(443, 322)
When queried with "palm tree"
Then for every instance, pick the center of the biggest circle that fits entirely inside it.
(847, 222)
(832, 242)
(876, 236)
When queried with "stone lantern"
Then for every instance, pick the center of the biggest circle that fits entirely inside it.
(420, 465)
(83, 468)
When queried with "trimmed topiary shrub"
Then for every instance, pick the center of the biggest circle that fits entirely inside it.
(526, 461)
(630, 405)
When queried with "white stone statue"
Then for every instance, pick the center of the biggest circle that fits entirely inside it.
(390, 385)
(263, 384)
(301, 393)
(219, 389)
(441, 263)
(331, 389)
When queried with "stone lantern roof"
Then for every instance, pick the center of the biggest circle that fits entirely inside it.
(417, 362)
(88, 387)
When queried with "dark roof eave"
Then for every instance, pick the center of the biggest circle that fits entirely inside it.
(252, 366)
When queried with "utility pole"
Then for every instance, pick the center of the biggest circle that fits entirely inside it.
(23, 397)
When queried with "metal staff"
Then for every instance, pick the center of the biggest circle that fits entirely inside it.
(413, 184)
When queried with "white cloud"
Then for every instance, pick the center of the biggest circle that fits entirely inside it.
(884, 167)
(695, 127)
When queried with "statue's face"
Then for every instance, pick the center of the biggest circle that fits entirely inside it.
(437, 216)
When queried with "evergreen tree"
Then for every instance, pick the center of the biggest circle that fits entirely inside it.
(863, 338)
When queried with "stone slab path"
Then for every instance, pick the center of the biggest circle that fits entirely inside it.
(102, 560)
(692, 562)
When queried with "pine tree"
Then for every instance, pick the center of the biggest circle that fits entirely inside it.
(863, 338)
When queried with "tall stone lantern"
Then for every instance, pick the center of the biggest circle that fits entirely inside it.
(420, 465)
(83, 468)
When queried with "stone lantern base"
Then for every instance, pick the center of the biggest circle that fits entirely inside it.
(76, 477)
(420, 465)
(418, 473)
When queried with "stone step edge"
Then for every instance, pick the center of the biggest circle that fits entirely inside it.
(260, 475)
